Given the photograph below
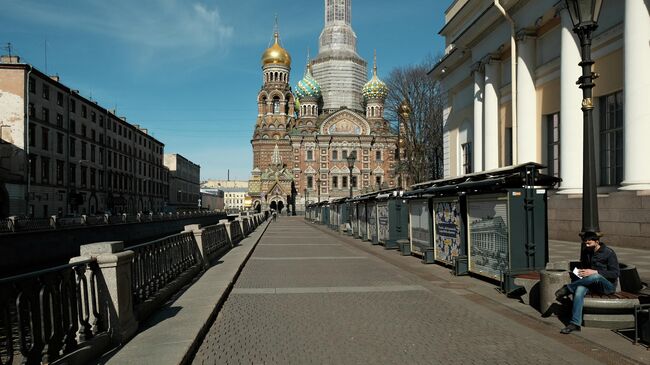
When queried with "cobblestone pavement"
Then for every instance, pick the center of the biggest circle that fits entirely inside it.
(307, 296)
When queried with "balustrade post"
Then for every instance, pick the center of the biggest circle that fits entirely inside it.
(198, 238)
(226, 223)
(114, 286)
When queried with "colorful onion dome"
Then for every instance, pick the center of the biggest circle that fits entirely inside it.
(375, 88)
(276, 54)
(308, 86)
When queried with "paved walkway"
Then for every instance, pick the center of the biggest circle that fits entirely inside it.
(309, 295)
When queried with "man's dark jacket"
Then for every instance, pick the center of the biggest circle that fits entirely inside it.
(604, 261)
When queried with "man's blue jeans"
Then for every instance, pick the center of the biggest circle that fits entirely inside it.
(596, 283)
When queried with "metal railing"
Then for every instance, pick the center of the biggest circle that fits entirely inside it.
(158, 262)
(19, 224)
(214, 239)
(47, 314)
(236, 233)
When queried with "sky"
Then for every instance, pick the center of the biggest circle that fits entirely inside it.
(189, 70)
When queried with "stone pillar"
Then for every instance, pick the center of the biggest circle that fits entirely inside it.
(226, 223)
(571, 122)
(479, 83)
(114, 286)
(636, 86)
(198, 237)
(491, 113)
(528, 132)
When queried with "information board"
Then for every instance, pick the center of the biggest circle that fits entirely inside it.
(355, 222)
(447, 229)
(420, 225)
(363, 227)
(383, 222)
(488, 236)
(372, 220)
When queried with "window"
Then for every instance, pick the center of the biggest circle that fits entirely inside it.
(73, 143)
(46, 92)
(101, 179)
(83, 130)
(92, 153)
(59, 171)
(32, 166)
(83, 150)
(59, 143)
(92, 177)
(310, 182)
(344, 183)
(73, 126)
(354, 182)
(84, 171)
(378, 155)
(310, 155)
(553, 144)
(45, 115)
(335, 182)
(84, 111)
(59, 120)
(45, 169)
(467, 157)
(378, 182)
(59, 98)
(93, 116)
(45, 140)
(92, 134)
(345, 154)
(335, 155)
(101, 121)
(32, 110)
(32, 85)
(611, 139)
(73, 105)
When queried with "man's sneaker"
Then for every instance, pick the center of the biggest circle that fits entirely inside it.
(570, 328)
(562, 292)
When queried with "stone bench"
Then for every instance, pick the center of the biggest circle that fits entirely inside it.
(530, 283)
(614, 311)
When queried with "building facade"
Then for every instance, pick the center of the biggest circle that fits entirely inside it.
(485, 127)
(212, 199)
(303, 135)
(61, 153)
(184, 183)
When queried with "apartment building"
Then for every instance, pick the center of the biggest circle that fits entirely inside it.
(62, 153)
(184, 183)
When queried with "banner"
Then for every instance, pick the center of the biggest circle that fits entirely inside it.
(447, 230)
(488, 233)
(383, 222)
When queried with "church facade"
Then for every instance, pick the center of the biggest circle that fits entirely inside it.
(303, 135)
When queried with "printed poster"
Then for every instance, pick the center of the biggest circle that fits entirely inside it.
(372, 221)
(382, 221)
(488, 231)
(363, 227)
(448, 229)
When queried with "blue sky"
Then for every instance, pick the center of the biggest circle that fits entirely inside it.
(189, 70)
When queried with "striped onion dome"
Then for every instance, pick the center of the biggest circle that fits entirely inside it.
(308, 86)
(375, 88)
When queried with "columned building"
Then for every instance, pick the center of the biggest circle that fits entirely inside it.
(62, 153)
(303, 135)
(484, 129)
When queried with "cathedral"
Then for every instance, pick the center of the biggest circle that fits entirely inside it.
(304, 135)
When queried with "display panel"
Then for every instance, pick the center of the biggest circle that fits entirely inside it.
(447, 229)
(354, 221)
(372, 220)
(420, 225)
(488, 233)
(383, 222)
(363, 227)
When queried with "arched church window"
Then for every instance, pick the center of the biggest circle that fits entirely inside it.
(276, 105)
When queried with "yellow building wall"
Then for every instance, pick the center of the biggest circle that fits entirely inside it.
(610, 68)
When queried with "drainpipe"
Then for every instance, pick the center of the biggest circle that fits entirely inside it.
(513, 77)
(27, 141)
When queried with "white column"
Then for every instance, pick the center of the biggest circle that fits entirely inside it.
(570, 110)
(528, 133)
(636, 113)
(491, 114)
(479, 80)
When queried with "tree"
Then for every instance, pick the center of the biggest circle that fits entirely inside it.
(421, 132)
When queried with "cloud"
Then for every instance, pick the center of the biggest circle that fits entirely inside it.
(153, 27)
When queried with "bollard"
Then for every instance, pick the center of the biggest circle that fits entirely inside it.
(427, 256)
(404, 247)
(549, 282)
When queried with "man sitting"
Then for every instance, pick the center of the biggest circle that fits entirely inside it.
(599, 274)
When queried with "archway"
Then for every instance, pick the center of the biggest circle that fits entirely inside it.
(274, 205)
(257, 206)
(280, 206)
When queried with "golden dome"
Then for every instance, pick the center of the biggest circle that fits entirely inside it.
(276, 54)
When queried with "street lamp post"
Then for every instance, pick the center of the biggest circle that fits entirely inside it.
(584, 15)
(318, 181)
(306, 197)
(404, 111)
(351, 159)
